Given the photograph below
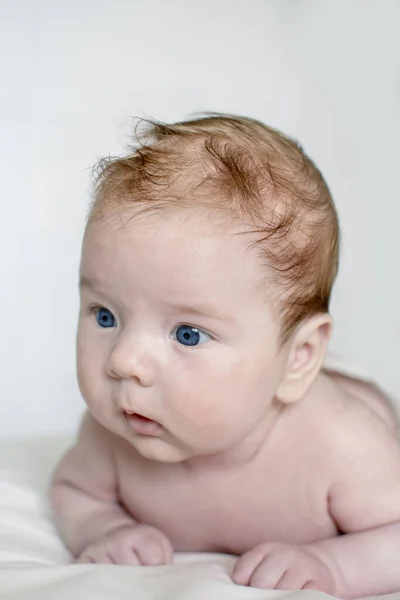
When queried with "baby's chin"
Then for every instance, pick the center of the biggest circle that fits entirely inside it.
(163, 451)
(158, 449)
(161, 447)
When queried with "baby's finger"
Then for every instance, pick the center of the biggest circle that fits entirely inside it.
(124, 555)
(100, 558)
(246, 564)
(269, 572)
(311, 585)
(168, 551)
(293, 580)
(322, 584)
(151, 553)
(83, 559)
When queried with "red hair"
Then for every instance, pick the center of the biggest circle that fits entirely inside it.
(253, 172)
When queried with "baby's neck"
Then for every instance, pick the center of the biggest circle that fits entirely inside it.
(245, 452)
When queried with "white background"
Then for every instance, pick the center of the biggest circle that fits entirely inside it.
(73, 72)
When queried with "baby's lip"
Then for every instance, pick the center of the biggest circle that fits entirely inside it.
(142, 425)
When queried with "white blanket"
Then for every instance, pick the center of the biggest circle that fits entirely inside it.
(34, 563)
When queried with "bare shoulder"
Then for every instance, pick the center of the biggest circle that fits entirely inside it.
(349, 433)
(345, 413)
(361, 454)
(93, 442)
(91, 431)
(374, 397)
(112, 452)
(337, 402)
(90, 462)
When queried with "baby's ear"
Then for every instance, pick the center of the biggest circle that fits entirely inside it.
(305, 357)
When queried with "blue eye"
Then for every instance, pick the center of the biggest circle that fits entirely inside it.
(190, 336)
(105, 318)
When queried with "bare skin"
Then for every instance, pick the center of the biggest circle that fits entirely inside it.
(221, 510)
(291, 504)
(234, 445)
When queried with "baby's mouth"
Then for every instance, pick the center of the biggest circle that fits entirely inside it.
(142, 425)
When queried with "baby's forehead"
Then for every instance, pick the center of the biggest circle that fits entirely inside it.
(192, 240)
(195, 222)
(178, 260)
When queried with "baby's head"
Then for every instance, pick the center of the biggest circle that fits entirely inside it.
(220, 209)
(247, 174)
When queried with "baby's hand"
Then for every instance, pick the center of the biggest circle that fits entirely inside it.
(130, 545)
(283, 567)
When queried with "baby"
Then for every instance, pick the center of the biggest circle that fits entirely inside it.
(207, 267)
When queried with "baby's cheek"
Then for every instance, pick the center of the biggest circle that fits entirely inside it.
(84, 381)
(209, 408)
(88, 373)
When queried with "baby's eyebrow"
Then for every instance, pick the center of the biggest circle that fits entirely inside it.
(86, 282)
(198, 310)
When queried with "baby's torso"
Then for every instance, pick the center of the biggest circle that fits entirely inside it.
(228, 512)
(281, 496)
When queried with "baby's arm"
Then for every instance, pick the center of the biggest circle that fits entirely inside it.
(364, 501)
(88, 514)
(84, 490)
(362, 458)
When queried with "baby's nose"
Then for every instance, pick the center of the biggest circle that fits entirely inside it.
(130, 360)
